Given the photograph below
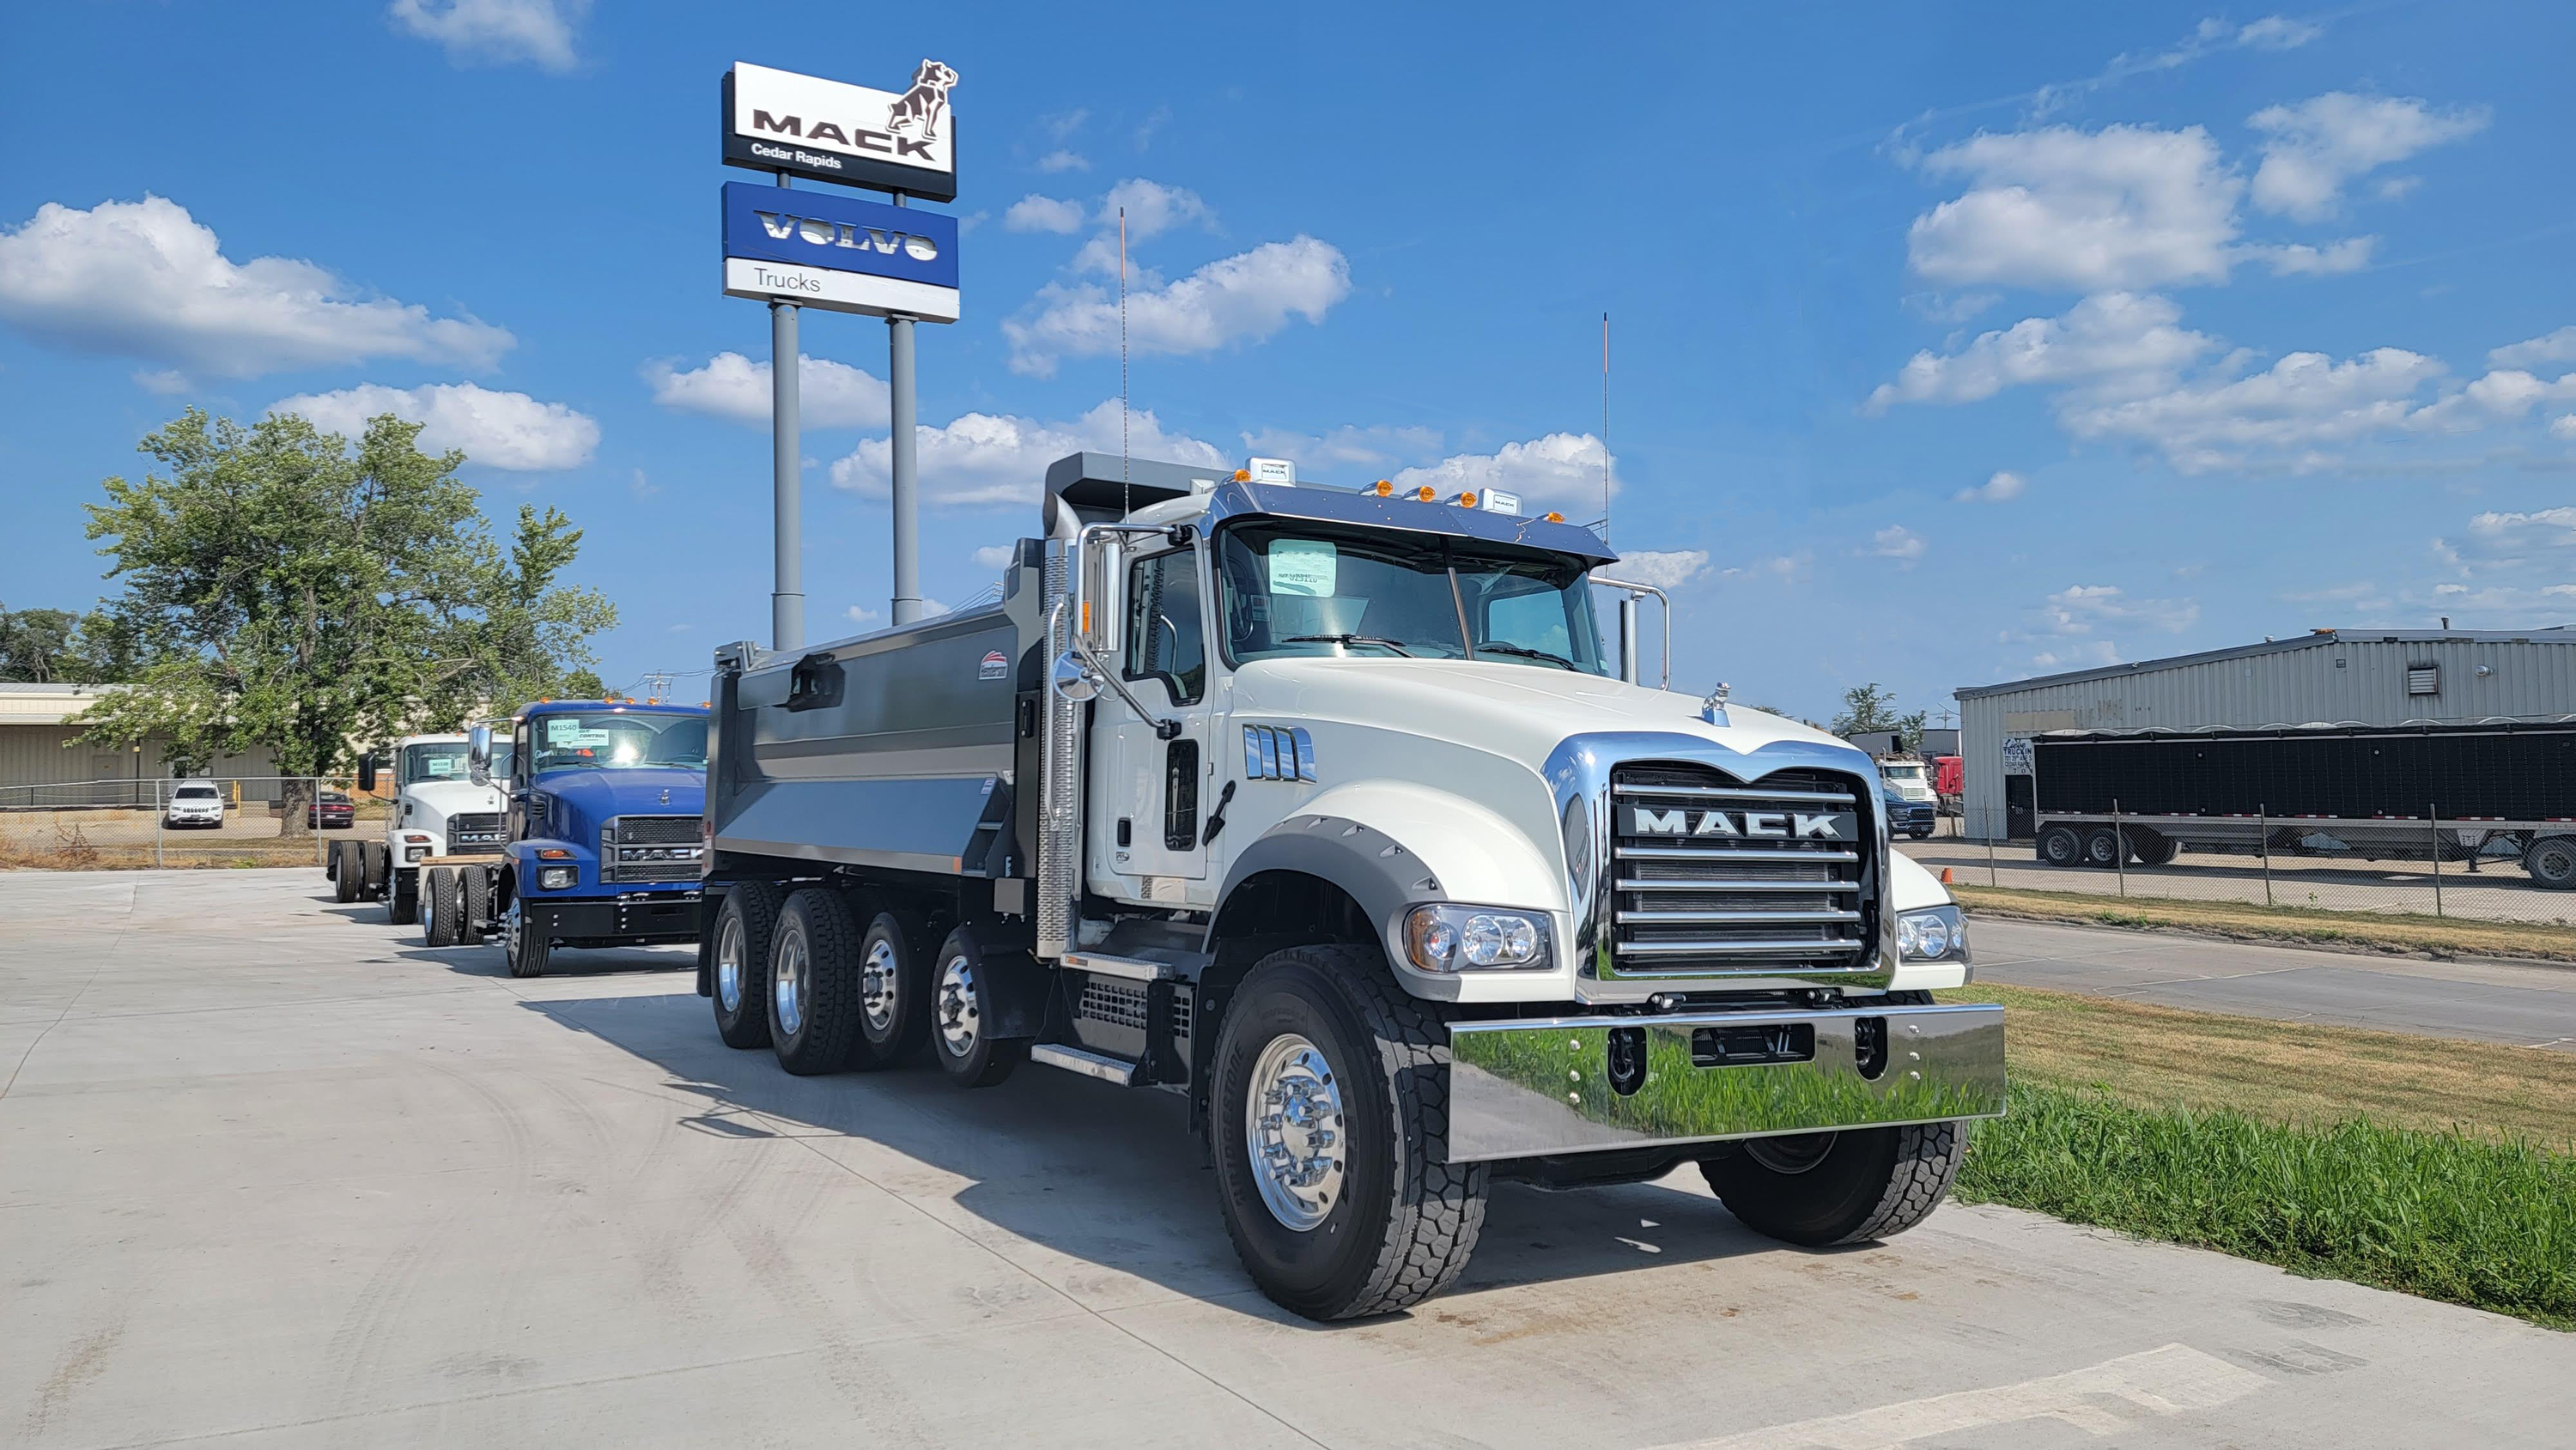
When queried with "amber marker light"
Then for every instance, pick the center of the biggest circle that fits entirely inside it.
(1467, 500)
(1385, 489)
(1243, 475)
(1427, 493)
(1554, 517)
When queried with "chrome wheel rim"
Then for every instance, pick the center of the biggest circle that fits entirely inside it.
(1792, 1154)
(509, 925)
(877, 985)
(729, 965)
(1292, 1132)
(787, 982)
(960, 1017)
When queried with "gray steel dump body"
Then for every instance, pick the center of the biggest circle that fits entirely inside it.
(899, 750)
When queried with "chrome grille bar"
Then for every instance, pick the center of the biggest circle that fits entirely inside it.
(1755, 905)
(1735, 793)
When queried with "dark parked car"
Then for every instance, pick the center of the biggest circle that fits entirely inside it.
(331, 811)
(1905, 817)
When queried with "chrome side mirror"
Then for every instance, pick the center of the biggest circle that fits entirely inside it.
(1073, 679)
(478, 754)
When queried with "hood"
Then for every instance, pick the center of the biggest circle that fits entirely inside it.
(453, 797)
(600, 794)
(1520, 711)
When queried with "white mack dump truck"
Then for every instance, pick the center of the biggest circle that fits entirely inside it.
(438, 812)
(1321, 808)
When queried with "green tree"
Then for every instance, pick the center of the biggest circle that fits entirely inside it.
(36, 645)
(289, 590)
(1867, 708)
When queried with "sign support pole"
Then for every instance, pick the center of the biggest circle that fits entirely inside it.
(787, 599)
(906, 471)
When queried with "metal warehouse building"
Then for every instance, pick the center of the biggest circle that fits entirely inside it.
(2362, 677)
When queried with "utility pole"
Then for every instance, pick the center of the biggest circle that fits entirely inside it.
(906, 470)
(787, 595)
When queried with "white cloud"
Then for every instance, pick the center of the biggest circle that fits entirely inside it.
(2002, 488)
(2503, 541)
(2559, 346)
(1034, 213)
(861, 615)
(1561, 468)
(2078, 655)
(2503, 395)
(2303, 402)
(498, 430)
(2278, 32)
(1062, 160)
(2563, 426)
(1376, 447)
(1248, 296)
(2298, 259)
(1665, 569)
(984, 458)
(2085, 608)
(2316, 146)
(2114, 343)
(1151, 209)
(1896, 541)
(993, 556)
(2209, 37)
(495, 31)
(1778, 569)
(828, 394)
(145, 279)
(2122, 208)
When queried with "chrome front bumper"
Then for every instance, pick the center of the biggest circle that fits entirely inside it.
(1533, 1088)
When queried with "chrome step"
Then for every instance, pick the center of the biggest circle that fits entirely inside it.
(1133, 969)
(1089, 1064)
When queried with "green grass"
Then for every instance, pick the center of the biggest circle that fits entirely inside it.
(2487, 1224)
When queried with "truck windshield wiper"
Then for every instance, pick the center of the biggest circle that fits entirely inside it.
(1347, 640)
(1525, 652)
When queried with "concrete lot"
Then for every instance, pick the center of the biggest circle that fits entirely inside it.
(270, 1173)
(2530, 1005)
(2498, 892)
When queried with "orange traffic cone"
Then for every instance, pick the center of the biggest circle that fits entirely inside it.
(1945, 875)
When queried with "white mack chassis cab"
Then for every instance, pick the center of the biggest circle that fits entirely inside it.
(1320, 807)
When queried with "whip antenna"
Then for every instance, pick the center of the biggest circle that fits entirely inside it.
(1605, 428)
(1124, 489)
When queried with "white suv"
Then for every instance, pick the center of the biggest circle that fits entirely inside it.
(194, 803)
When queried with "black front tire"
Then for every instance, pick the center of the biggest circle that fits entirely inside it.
(2060, 846)
(964, 995)
(531, 950)
(1406, 1221)
(1819, 1189)
(894, 990)
(814, 984)
(743, 928)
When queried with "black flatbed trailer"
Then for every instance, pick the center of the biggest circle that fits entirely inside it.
(2453, 791)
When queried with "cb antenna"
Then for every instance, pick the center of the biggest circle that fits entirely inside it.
(1605, 429)
(1125, 503)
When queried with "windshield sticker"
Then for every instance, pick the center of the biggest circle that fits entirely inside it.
(570, 733)
(1303, 567)
(443, 766)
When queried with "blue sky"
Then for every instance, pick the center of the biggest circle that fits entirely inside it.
(1951, 343)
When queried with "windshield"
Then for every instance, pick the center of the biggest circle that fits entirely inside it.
(444, 760)
(1311, 591)
(606, 740)
(194, 793)
(1908, 774)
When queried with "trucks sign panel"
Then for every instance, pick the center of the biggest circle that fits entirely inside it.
(776, 120)
(845, 253)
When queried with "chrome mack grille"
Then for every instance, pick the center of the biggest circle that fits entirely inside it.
(1714, 877)
(650, 848)
(474, 833)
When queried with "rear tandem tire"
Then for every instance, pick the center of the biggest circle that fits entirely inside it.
(2551, 863)
(814, 985)
(373, 868)
(2153, 848)
(2102, 848)
(439, 907)
(402, 906)
(2060, 846)
(473, 904)
(740, 971)
(344, 871)
(1404, 1222)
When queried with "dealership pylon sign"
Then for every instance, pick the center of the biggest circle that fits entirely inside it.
(901, 141)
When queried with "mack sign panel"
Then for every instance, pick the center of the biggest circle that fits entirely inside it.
(776, 120)
(825, 249)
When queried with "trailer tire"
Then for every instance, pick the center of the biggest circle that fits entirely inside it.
(2551, 863)
(744, 926)
(473, 904)
(1819, 1189)
(1326, 1026)
(2153, 848)
(894, 991)
(960, 1001)
(2060, 846)
(345, 871)
(814, 984)
(528, 948)
(439, 907)
(2103, 848)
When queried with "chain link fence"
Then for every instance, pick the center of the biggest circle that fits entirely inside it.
(2429, 866)
(263, 820)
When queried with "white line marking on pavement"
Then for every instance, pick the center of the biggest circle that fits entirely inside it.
(2167, 1381)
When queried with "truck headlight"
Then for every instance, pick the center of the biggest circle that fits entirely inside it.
(414, 853)
(556, 878)
(1931, 934)
(1439, 937)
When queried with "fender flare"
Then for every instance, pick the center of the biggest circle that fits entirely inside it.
(1377, 870)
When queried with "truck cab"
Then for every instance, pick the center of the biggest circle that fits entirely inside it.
(1329, 810)
(438, 811)
(603, 801)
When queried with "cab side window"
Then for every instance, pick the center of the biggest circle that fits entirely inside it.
(1165, 639)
